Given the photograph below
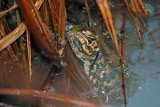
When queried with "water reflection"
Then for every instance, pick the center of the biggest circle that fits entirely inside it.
(142, 85)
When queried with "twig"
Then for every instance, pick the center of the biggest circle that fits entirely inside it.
(122, 54)
(54, 13)
(44, 27)
(107, 17)
(46, 95)
(88, 11)
(143, 7)
(29, 55)
(62, 19)
(76, 71)
(10, 38)
(8, 10)
(136, 21)
(37, 34)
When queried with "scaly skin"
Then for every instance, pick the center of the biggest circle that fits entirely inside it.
(106, 80)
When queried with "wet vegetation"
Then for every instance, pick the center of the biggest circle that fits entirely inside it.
(39, 67)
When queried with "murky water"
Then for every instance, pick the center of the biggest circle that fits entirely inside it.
(143, 62)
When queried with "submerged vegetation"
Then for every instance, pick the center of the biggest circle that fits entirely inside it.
(63, 31)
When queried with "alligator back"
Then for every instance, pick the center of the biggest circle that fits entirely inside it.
(106, 80)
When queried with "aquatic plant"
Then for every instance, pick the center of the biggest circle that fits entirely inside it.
(42, 24)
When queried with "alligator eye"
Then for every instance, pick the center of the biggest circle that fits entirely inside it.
(77, 43)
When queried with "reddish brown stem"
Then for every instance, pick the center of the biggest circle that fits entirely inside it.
(122, 54)
(45, 29)
(135, 20)
(54, 13)
(47, 95)
(140, 2)
(36, 33)
(87, 8)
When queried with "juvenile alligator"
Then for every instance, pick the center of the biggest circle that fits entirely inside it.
(106, 80)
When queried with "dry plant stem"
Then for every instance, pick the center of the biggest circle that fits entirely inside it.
(136, 21)
(138, 8)
(44, 27)
(8, 40)
(140, 2)
(45, 12)
(29, 55)
(22, 50)
(46, 95)
(38, 3)
(74, 69)
(133, 7)
(87, 8)
(37, 34)
(8, 30)
(9, 48)
(106, 49)
(23, 58)
(54, 13)
(75, 76)
(4, 74)
(122, 54)
(153, 15)
(62, 20)
(102, 10)
(107, 16)
(113, 57)
(8, 10)
(136, 5)
(61, 25)
(57, 5)
(2, 30)
(110, 22)
(11, 37)
(18, 17)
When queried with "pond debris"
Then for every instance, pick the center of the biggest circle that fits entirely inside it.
(46, 95)
(29, 55)
(52, 42)
(107, 17)
(135, 13)
(2, 13)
